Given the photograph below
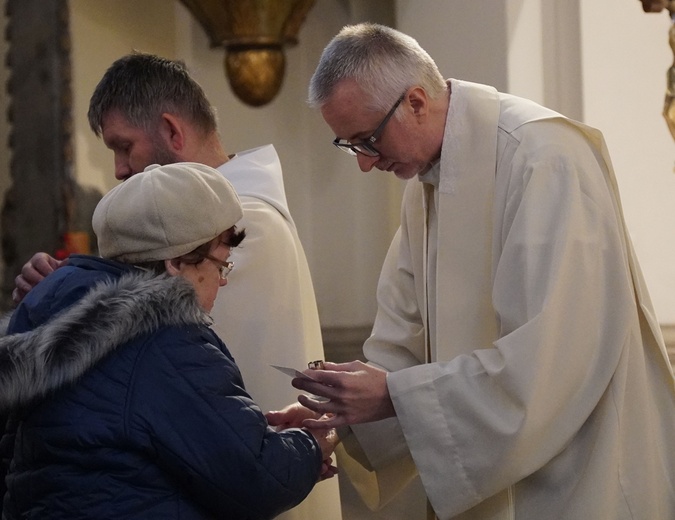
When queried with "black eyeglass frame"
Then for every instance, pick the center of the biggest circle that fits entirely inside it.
(366, 147)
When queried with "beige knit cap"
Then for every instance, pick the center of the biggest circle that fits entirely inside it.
(164, 212)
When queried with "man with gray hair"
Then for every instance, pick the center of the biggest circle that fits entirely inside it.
(515, 361)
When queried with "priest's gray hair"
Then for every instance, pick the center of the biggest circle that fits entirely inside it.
(384, 62)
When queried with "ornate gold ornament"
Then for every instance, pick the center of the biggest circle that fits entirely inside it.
(656, 6)
(253, 33)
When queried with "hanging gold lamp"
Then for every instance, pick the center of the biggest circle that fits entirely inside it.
(253, 33)
(656, 6)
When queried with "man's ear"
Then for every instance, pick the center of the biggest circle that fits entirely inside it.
(419, 101)
(172, 267)
(172, 132)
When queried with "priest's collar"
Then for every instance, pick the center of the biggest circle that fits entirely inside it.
(433, 174)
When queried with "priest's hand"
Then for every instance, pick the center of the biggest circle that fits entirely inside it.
(356, 393)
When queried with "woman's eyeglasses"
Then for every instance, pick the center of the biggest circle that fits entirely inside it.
(224, 267)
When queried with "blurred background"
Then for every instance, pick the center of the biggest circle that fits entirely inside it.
(603, 62)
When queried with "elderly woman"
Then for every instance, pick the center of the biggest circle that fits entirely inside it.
(125, 403)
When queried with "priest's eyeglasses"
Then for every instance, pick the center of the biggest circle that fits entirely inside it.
(366, 147)
(224, 268)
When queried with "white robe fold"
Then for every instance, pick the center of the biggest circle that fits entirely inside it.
(549, 393)
(267, 314)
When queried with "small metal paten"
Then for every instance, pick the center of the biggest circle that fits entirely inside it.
(316, 365)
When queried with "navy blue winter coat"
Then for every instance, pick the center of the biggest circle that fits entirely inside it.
(129, 406)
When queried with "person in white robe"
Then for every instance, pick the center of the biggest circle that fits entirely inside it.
(516, 362)
(270, 316)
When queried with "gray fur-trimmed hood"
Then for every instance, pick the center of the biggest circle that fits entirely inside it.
(57, 353)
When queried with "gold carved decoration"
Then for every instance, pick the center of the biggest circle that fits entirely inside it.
(656, 6)
(253, 33)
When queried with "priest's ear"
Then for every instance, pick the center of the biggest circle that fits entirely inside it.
(418, 99)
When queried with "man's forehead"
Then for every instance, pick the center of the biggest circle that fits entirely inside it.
(115, 125)
(348, 91)
(114, 118)
(347, 113)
